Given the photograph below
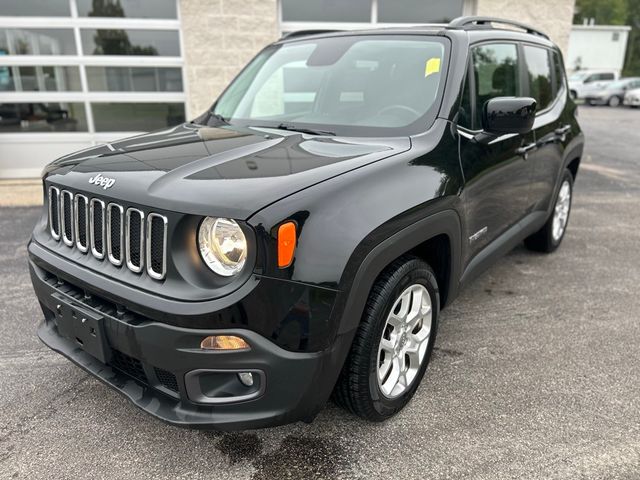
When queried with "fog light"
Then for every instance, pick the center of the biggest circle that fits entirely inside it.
(224, 342)
(246, 378)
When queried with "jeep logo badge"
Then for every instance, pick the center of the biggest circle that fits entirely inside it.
(101, 181)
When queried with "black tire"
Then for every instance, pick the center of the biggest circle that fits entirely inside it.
(357, 389)
(574, 95)
(614, 101)
(543, 240)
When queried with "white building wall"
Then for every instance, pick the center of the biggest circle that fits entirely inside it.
(553, 17)
(596, 47)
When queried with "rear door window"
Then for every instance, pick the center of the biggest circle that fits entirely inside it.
(539, 75)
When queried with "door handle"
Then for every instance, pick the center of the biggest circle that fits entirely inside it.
(524, 151)
(563, 130)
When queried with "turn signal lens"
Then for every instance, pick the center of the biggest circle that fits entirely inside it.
(224, 342)
(286, 244)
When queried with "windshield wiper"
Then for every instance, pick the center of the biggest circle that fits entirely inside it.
(292, 128)
(216, 116)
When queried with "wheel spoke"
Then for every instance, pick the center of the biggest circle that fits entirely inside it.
(392, 379)
(383, 369)
(416, 305)
(387, 345)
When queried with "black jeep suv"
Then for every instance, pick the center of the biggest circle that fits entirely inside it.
(300, 238)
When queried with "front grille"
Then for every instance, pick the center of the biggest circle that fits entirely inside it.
(67, 217)
(54, 212)
(167, 379)
(156, 244)
(113, 231)
(81, 215)
(96, 227)
(128, 365)
(134, 238)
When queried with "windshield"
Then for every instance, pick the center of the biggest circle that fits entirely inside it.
(351, 85)
(618, 85)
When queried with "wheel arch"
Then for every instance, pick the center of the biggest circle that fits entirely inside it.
(436, 239)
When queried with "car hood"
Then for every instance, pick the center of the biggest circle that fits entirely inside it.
(222, 171)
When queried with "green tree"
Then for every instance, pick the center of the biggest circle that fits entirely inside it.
(114, 42)
(632, 60)
(605, 12)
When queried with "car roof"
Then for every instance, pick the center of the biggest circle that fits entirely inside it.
(478, 29)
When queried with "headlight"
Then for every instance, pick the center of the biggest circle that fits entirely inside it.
(222, 245)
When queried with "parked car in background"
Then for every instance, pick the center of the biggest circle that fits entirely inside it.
(613, 93)
(632, 98)
(584, 82)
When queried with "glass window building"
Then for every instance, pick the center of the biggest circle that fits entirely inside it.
(76, 73)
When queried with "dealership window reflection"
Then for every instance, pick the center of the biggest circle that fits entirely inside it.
(134, 79)
(42, 117)
(130, 42)
(37, 41)
(136, 117)
(39, 78)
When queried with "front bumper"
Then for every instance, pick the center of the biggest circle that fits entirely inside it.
(148, 362)
(632, 101)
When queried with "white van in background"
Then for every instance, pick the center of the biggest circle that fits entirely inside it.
(583, 82)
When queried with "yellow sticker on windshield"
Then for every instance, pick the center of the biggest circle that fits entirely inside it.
(432, 66)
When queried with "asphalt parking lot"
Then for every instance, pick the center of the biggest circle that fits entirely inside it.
(536, 372)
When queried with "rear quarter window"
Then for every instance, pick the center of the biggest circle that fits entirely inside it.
(559, 74)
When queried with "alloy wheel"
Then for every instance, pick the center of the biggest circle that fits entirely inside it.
(561, 211)
(404, 341)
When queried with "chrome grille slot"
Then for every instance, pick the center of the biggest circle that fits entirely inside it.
(81, 217)
(123, 235)
(96, 227)
(115, 235)
(54, 212)
(66, 207)
(134, 239)
(156, 246)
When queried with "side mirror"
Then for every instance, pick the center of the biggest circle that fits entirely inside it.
(503, 115)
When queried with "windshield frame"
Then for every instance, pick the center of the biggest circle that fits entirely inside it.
(420, 125)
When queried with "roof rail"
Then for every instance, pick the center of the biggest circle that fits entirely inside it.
(469, 23)
(304, 33)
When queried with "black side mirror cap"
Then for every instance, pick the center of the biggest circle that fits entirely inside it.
(504, 115)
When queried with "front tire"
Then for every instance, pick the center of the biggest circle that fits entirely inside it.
(393, 344)
(614, 101)
(549, 237)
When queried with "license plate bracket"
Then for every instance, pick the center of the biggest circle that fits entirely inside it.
(82, 326)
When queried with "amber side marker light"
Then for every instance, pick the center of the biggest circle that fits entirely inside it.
(286, 244)
(224, 342)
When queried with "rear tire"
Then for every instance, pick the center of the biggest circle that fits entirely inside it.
(395, 337)
(549, 237)
(614, 101)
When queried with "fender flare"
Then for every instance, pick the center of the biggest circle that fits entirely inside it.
(351, 301)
